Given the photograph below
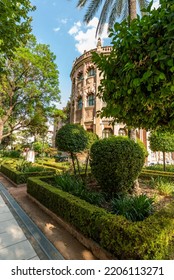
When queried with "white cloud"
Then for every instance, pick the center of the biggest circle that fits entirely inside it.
(64, 20)
(56, 29)
(85, 35)
(75, 28)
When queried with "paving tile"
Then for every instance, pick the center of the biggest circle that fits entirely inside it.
(20, 251)
(8, 226)
(35, 258)
(4, 209)
(6, 216)
(11, 237)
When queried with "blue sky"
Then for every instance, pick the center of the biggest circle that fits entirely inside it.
(59, 24)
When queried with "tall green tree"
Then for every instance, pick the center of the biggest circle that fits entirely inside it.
(29, 81)
(163, 142)
(15, 26)
(138, 80)
(111, 10)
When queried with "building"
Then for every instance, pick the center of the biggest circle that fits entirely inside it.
(85, 103)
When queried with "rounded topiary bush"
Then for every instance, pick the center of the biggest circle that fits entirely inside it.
(115, 163)
(71, 138)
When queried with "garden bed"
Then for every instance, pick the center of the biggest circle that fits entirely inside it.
(18, 177)
(148, 239)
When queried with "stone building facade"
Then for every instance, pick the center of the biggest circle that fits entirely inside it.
(85, 103)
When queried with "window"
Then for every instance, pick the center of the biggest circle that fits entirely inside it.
(80, 104)
(91, 100)
(91, 72)
(122, 132)
(107, 132)
(80, 76)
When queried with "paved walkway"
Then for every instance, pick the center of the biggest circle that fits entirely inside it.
(20, 238)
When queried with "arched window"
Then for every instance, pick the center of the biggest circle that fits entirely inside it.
(80, 76)
(79, 103)
(91, 99)
(107, 132)
(122, 132)
(91, 72)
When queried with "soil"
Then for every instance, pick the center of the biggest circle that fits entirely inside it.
(68, 246)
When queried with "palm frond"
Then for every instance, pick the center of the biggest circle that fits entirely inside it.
(103, 16)
(119, 10)
(92, 10)
(81, 3)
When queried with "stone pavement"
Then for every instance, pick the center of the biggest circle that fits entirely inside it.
(20, 238)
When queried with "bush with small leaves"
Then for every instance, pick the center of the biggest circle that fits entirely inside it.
(115, 163)
(72, 138)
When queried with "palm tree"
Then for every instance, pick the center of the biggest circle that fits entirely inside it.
(111, 10)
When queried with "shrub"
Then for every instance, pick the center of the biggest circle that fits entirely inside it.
(26, 166)
(68, 183)
(159, 167)
(134, 208)
(21, 177)
(12, 154)
(115, 163)
(72, 138)
(151, 239)
(75, 186)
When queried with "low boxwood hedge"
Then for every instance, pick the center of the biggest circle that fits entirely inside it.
(150, 239)
(148, 174)
(21, 178)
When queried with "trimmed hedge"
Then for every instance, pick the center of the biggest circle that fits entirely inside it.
(57, 166)
(148, 174)
(21, 178)
(116, 163)
(150, 239)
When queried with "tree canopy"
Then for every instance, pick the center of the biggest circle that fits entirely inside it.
(15, 24)
(161, 141)
(138, 80)
(29, 81)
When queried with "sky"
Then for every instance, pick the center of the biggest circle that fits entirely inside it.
(59, 24)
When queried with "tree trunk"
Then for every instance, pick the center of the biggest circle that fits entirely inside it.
(164, 161)
(1, 130)
(72, 157)
(86, 166)
(78, 166)
(132, 9)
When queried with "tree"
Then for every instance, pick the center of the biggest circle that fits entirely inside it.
(163, 142)
(67, 112)
(29, 81)
(72, 138)
(40, 147)
(92, 137)
(15, 24)
(111, 10)
(138, 80)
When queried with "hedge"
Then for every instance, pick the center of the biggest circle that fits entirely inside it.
(150, 239)
(21, 178)
(148, 174)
